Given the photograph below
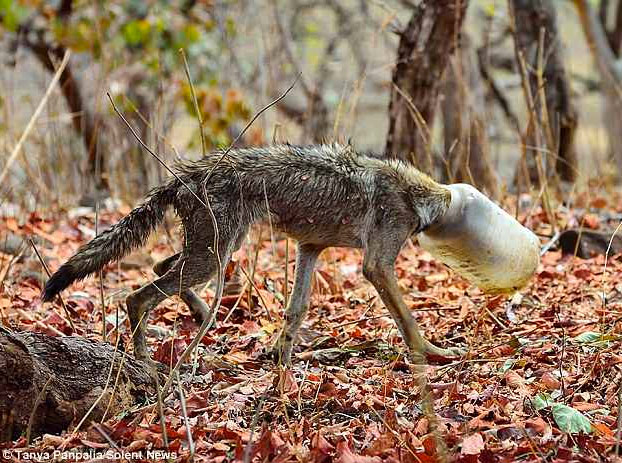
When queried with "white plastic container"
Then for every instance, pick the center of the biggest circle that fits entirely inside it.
(482, 242)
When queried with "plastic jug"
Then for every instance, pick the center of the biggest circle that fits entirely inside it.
(482, 242)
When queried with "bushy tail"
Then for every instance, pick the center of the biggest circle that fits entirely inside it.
(129, 233)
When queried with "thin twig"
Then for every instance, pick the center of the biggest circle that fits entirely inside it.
(144, 120)
(249, 445)
(116, 381)
(184, 412)
(160, 407)
(619, 430)
(198, 337)
(34, 409)
(35, 116)
(109, 439)
(47, 270)
(100, 273)
(419, 121)
(195, 101)
(250, 279)
(544, 110)
(237, 302)
(286, 279)
(542, 178)
(241, 134)
(214, 309)
(604, 296)
(265, 194)
(152, 153)
(5, 271)
(550, 243)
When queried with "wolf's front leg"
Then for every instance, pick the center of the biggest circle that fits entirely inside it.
(386, 285)
(378, 268)
(298, 305)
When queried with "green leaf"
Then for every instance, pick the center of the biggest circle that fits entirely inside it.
(570, 420)
(136, 32)
(524, 341)
(230, 27)
(191, 34)
(12, 13)
(542, 401)
(489, 9)
(507, 365)
(587, 337)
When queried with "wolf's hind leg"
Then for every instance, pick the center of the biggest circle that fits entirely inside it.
(194, 266)
(298, 305)
(198, 307)
(183, 275)
(160, 268)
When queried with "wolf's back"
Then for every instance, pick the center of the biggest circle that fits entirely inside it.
(129, 233)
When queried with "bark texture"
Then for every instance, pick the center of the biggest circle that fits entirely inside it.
(614, 34)
(463, 106)
(611, 76)
(425, 46)
(558, 134)
(62, 378)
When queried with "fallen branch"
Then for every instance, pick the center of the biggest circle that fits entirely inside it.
(50, 383)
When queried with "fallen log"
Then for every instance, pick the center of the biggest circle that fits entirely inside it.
(589, 243)
(52, 382)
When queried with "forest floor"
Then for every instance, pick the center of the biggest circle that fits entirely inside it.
(540, 382)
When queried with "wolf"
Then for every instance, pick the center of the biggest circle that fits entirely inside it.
(320, 195)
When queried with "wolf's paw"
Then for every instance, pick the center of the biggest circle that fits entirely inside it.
(443, 355)
(154, 365)
(454, 352)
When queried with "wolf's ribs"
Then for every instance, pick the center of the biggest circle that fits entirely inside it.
(78, 369)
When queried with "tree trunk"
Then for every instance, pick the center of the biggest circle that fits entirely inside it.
(556, 115)
(614, 36)
(463, 105)
(426, 44)
(62, 378)
(610, 73)
(84, 123)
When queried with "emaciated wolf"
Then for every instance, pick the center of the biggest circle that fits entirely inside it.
(321, 196)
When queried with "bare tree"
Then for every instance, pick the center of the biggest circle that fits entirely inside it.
(553, 116)
(425, 46)
(464, 125)
(313, 112)
(614, 34)
(48, 52)
(606, 48)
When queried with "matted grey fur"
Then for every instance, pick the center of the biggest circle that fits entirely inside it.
(320, 195)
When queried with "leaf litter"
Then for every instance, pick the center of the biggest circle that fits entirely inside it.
(540, 381)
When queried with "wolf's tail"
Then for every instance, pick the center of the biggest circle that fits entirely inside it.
(129, 233)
